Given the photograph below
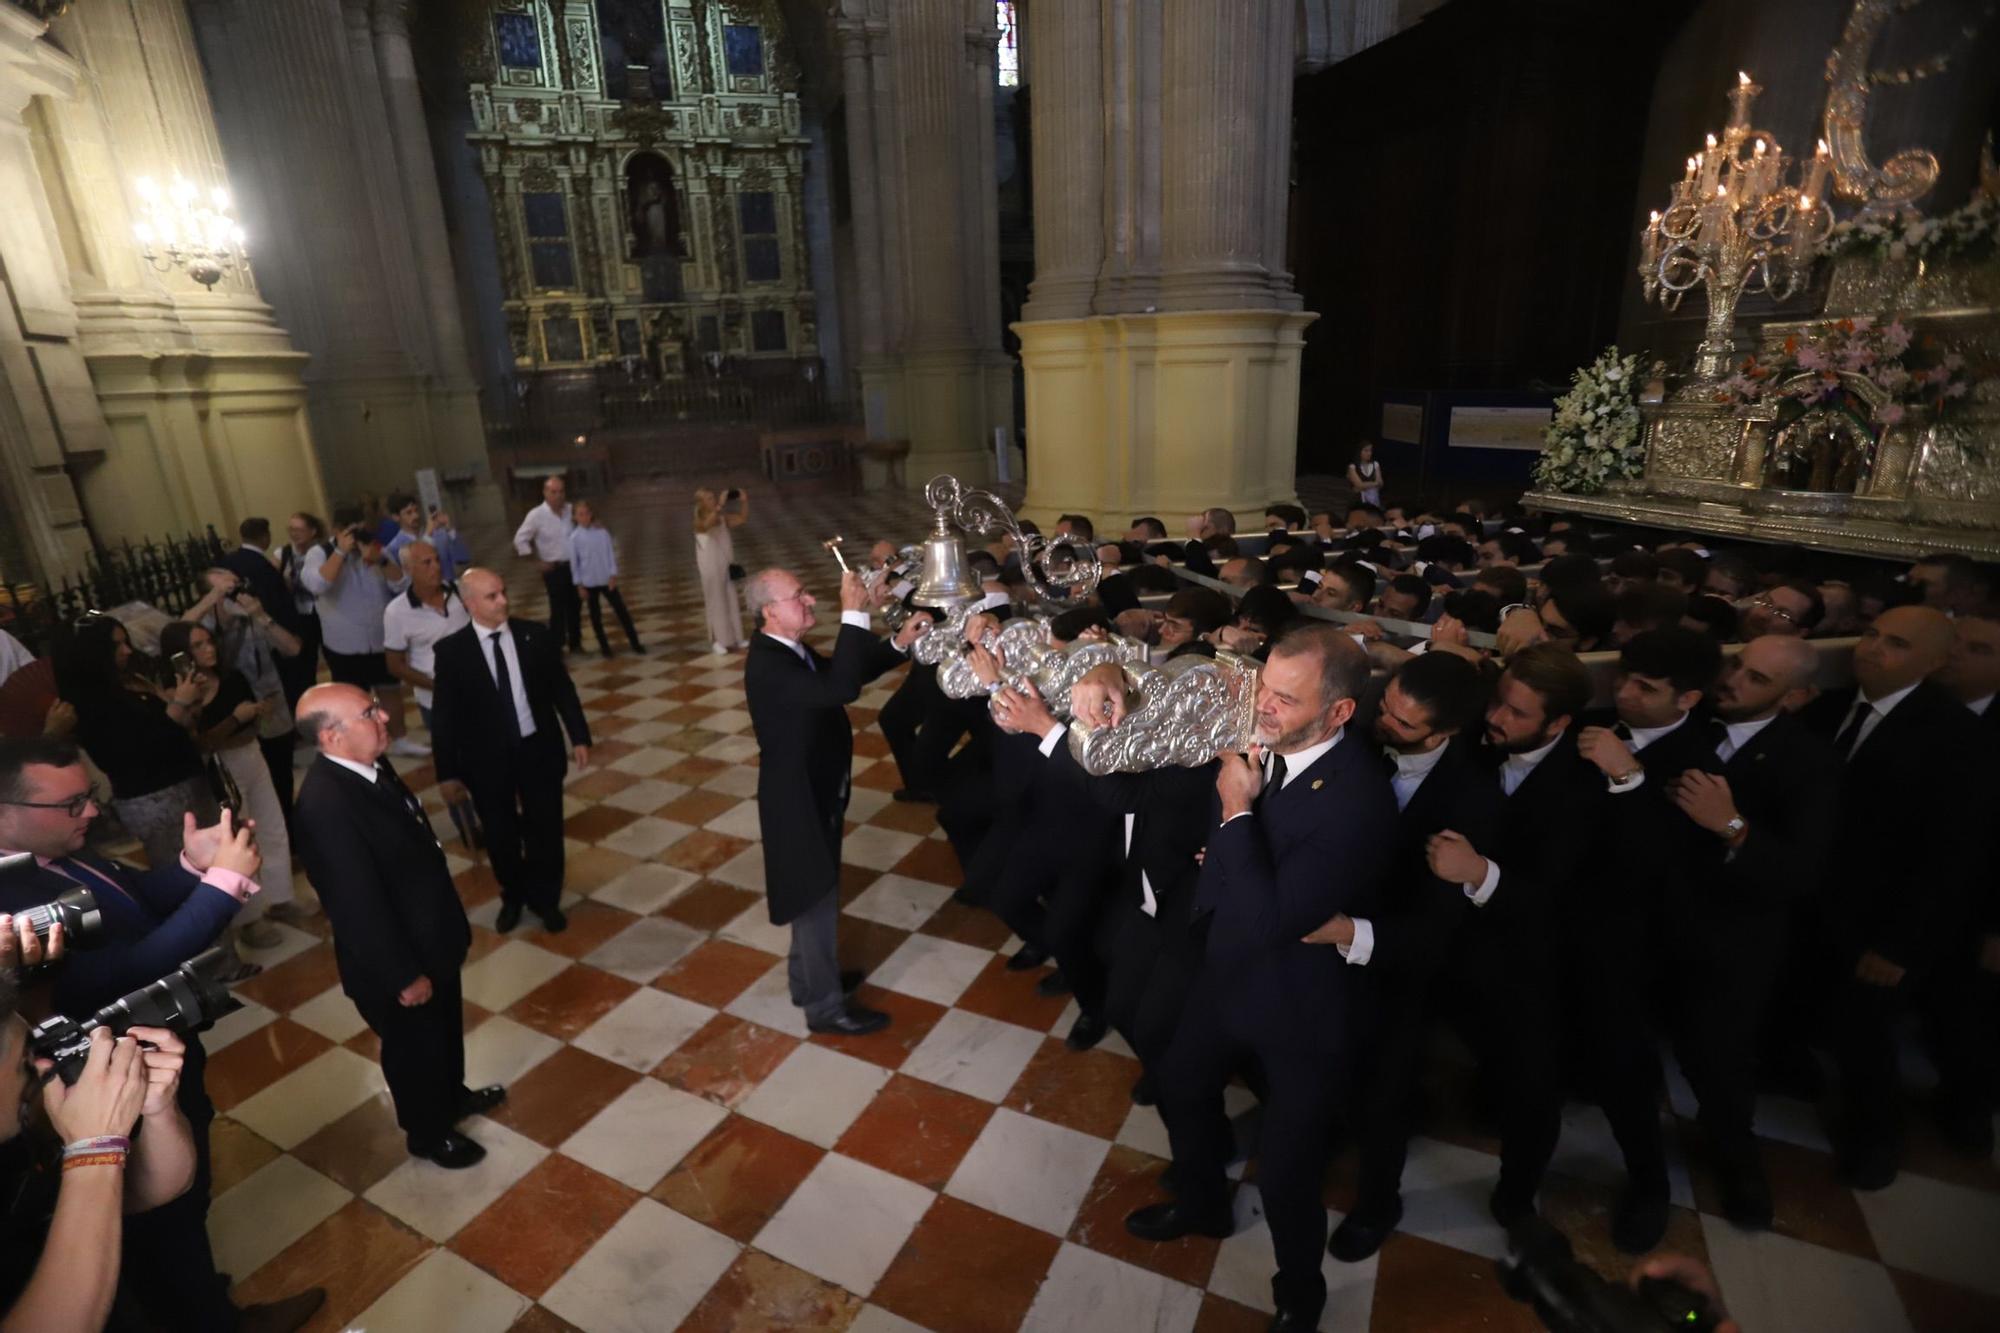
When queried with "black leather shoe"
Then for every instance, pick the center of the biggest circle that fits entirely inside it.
(1085, 1033)
(1053, 986)
(1292, 1321)
(853, 1021)
(478, 1101)
(281, 1316)
(510, 917)
(1869, 1167)
(908, 796)
(1170, 1221)
(453, 1152)
(1361, 1233)
(554, 921)
(1639, 1221)
(1026, 959)
(1143, 1091)
(1507, 1209)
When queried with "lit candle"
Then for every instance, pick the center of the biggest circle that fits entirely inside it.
(1740, 98)
(1816, 173)
(1651, 250)
(1711, 167)
(1759, 165)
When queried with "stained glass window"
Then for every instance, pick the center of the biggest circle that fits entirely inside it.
(743, 49)
(520, 45)
(1008, 57)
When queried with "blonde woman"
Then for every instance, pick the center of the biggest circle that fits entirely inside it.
(714, 553)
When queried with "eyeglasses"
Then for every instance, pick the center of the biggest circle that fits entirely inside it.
(374, 710)
(1780, 612)
(73, 807)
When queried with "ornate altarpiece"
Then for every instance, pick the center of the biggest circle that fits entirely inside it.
(645, 162)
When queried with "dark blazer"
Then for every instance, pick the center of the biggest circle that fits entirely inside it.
(1645, 845)
(799, 715)
(160, 920)
(1541, 849)
(470, 732)
(1318, 846)
(1902, 870)
(1171, 811)
(382, 878)
(1786, 785)
(264, 581)
(1420, 912)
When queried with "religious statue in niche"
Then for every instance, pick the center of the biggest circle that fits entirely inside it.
(653, 225)
(637, 66)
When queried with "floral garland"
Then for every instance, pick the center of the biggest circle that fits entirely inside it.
(1971, 229)
(1594, 435)
(1806, 374)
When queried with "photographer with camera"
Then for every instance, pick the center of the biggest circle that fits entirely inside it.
(355, 580)
(79, 1157)
(714, 558)
(152, 921)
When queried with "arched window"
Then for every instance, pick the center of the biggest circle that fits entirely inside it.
(1007, 59)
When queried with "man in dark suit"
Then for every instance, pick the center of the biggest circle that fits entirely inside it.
(798, 708)
(1439, 782)
(501, 688)
(250, 564)
(152, 921)
(1765, 798)
(1888, 923)
(1645, 848)
(1504, 960)
(399, 933)
(1302, 829)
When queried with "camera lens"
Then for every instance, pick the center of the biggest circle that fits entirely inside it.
(75, 908)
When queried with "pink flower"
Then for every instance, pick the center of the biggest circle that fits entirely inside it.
(1896, 336)
(1812, 358)
(1890, 415)
(1955, 389)
(1953, 361)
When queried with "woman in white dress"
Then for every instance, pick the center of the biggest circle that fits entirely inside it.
(714, 552)
(1364, 474)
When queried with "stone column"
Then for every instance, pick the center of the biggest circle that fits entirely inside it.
(919, 130)
(1172, 383)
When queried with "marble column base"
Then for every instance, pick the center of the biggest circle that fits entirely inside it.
(946, 404)
(1162, 414)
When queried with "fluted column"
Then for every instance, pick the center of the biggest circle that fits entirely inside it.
(1068, 147)
(890, 178)
(1170, 382)
(1217, 117)
(853, 36)
(382, 188)
(423, 207)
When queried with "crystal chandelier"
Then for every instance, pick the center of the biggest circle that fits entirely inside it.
(178, 228)
(1734, 225)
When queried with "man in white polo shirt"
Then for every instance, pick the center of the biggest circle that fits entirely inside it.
(414, 622)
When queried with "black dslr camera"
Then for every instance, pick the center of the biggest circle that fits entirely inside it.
(76, 908)
(185, 1001)
(1540, 1270)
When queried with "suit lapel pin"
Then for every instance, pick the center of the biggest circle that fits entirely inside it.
(1318, 783)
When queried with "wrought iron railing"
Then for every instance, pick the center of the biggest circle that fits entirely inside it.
(167, 574)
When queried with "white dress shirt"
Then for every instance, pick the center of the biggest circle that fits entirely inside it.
(544, 534)
(523, 714)
(1882, 708)
(1736, 735)
(1411, 770)
(368, 771)
(858, 619)
(1980, 706)
(413, 628)
(1513, 772)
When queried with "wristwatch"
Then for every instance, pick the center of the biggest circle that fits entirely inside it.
(1734, 828)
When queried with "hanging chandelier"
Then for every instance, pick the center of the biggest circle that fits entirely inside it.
(180, 228)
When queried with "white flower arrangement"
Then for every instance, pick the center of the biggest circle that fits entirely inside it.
(1970, 230)
(1594, 436)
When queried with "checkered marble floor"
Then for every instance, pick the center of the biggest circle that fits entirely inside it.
(676, 1151)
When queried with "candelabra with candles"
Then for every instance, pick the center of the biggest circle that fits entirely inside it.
(179, 229)
(1735, 225)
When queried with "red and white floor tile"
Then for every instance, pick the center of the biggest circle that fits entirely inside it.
(676, 1152)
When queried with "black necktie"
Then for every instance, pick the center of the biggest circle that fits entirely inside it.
(389, 778)
(1277, 781)
(504, 680)
(1850, 735)
(1622, 732)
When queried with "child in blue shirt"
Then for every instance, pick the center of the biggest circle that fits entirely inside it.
(593, 564)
